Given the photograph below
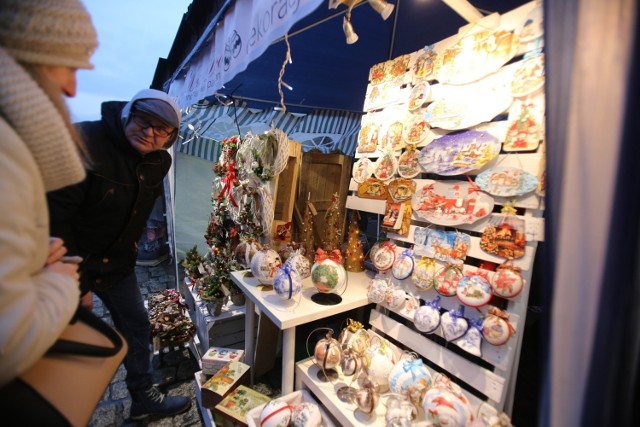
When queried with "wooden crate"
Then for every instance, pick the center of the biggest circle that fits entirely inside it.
(285, 186)
(322, 176)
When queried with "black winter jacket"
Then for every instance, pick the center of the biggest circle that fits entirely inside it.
(102, 217)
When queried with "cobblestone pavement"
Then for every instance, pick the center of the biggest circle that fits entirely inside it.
(173, 371)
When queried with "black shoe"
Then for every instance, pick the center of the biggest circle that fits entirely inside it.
(153, 402)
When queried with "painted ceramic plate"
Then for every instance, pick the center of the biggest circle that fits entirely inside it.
(368, 138)
(506, 181)
(393, 137)
(362, 170)
(447, 246)
(504, 236)
(532, 27)
(474, 291)
(525, 128)
(529, 77)
(459, 153)
(398, 67)
(408, 165)
(462, 107)
(415, 129)
(425, 62)
(419, 95)
(378, 73)
(476, 56)
(451, 203)
(386, 167)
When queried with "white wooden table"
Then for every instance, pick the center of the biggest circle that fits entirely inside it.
(286, 315)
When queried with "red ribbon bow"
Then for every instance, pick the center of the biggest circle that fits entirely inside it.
(228, 181)
(335, 255)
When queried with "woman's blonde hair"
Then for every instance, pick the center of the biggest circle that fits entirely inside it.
(55, 95)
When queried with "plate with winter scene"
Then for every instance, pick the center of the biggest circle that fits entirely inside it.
(504, 181)
(459, 153)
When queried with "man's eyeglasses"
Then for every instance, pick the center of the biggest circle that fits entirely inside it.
(160, 131)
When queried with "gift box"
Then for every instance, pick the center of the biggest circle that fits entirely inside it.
(226, 379)
(232, 410)
(216, 357)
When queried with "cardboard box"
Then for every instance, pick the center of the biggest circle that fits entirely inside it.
(216, 357)
(226, 379)
(232, 410)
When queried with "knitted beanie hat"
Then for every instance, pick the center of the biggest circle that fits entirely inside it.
(48, 32)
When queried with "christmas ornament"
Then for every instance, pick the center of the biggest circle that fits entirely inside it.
(445, 404)
(276, 413)
(395, 297)
(377, 290)
(507, 281)
(504, 236)
(367, 398)
(264, 265)
(354, 337)
(245, 251)
(453, 323)
(380, 360)
(287, 282)
(424, 273)
(300, 263)
(403, 267)
(496, 328)
(384, 257)
(327, 352)
(410, 378)
(327, 273)
(306, 414)
(427, 317)
(447, 278)
(471, 341)
(333, 234)
(474, 289)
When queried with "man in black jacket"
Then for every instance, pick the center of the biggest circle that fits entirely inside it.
(102, 218)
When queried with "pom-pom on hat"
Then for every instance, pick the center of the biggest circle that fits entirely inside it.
(48, 32)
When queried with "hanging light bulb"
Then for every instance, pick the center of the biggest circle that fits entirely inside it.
(349, 33)
(382, 7)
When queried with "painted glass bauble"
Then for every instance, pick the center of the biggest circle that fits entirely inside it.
(328, 352)
(496, 327)
(424, 273)
(276, 413)
(367, 398)
(404, 265)
(380, 360)
(306, 414)
(507, 281)
(410, 378)
(354, 337)
(287, 283)
(300, 263)
(264, 265)
(328, 275)
(446, 404)
(245, 251)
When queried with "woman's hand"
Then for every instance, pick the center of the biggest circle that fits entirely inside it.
(56, 250)
(68, 269)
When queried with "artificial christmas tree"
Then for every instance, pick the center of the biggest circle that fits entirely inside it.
(354, 258)
(306, 232)
(333, 234)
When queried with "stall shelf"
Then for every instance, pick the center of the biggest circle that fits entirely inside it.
(286, 315)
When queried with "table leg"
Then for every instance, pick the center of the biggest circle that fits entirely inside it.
(288, 359)
(250, 334)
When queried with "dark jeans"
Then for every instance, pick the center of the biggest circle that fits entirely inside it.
(130, 317)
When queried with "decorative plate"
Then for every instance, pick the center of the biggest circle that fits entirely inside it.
(525, 127)
(424, 63)
(474, 290)
(373, 188)
(415, 129)
(447, 246)
(419, 95)
(385, 167)
(398, 67)
(503, 181)
(368, 138)
(408, 164)
(451, 203)
(362, 170)
(447, 278)
(529, 77)
(504, 236)
(459, 153)
(401, 189)
(393, 137)
(507, 281)
(462, 107)
(378, 73)
(532, 27)
(476, 56)
(424, 273)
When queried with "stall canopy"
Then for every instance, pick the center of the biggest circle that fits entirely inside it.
(325, 71)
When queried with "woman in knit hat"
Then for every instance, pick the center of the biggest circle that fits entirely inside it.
(42, 44)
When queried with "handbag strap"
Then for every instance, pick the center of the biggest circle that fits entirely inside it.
(84, 315)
